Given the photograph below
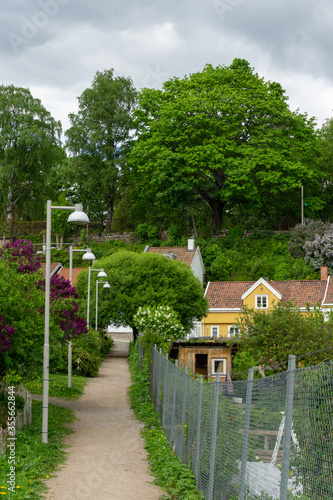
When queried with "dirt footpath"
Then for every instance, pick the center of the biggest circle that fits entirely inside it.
(107, 460)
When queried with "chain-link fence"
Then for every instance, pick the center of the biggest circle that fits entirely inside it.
(267, 438)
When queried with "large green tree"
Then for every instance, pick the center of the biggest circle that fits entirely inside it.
(98, 138)
(226, 136)
(325, 140)
(139, 280)
(29, 148)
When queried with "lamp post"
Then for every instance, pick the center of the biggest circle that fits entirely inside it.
(101, 274)
(87, 256)
(106, 285)
(76, 217)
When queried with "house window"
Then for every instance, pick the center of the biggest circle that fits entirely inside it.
(232, 331)
(215, 331)
(219, 366)
(261, 301)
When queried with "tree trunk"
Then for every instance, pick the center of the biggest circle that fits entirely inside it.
(108, 220)
(217, 207)
(135, 334)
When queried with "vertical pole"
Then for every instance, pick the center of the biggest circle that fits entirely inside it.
(96, 305)
(165, 390)
(198, 435)
(88, 298)
(71, 263)
(287, 427)
(214, 435)
(173, 409)
(184, 406)
(245, 446)
(69, 380)
(46, 352)
(302, 206)
(158, 391)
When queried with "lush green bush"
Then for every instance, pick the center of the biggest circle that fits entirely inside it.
(88, 352)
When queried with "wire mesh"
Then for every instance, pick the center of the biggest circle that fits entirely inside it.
(231, 434)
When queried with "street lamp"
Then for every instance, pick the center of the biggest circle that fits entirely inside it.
(101, 274)
(87, 256)
(80, 218)
(106, 285)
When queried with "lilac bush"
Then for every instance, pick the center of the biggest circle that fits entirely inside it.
(6, 333)
(319, 251)
(313, 242)
(23, 254)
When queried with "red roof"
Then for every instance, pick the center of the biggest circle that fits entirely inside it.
(228, 294)
(55, 268)
(182, 253)
(75, 272)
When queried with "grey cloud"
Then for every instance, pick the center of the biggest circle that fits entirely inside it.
(60, 44)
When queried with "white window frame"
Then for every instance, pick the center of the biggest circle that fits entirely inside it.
(259, 301)
(217, 330)
(224, 362)
(233, 330)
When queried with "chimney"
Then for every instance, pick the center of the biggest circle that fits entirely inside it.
(190, 245)
(324, 273)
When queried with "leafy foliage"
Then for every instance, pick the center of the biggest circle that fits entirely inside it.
(145, 279)
(200, 139)
(29, 149)
(270, 337)
(22, 301)
(22, 254)
(158, 325)
(98, 139)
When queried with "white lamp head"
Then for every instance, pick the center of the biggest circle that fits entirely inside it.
(106, 285)
(101, 274)
(88, 255)
(78, 216)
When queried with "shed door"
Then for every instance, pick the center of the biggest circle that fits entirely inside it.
(201, 365)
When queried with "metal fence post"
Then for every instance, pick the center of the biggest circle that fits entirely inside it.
(242, 479)
(214, 435)
(173, 409)
(287, 427)
(158, 380)
(153, 377)
(164, 403)
(182, 446)
(198, 436)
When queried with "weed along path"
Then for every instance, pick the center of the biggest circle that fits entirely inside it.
(107, 459)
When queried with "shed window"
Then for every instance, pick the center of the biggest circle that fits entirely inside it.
(219, 366)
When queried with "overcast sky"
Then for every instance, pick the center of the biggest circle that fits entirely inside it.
(55, 47)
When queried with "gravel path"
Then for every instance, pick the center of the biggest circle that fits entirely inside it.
(107, 460)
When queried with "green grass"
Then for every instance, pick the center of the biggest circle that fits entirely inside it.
(58, 386)
(35, 461)
(171, 474)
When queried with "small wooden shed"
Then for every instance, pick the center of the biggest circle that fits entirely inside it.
(204, 357)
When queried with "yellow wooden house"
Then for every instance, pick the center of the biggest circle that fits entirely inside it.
(226, 300)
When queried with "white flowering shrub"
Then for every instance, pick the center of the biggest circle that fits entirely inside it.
(319, 251)
(158, 325)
